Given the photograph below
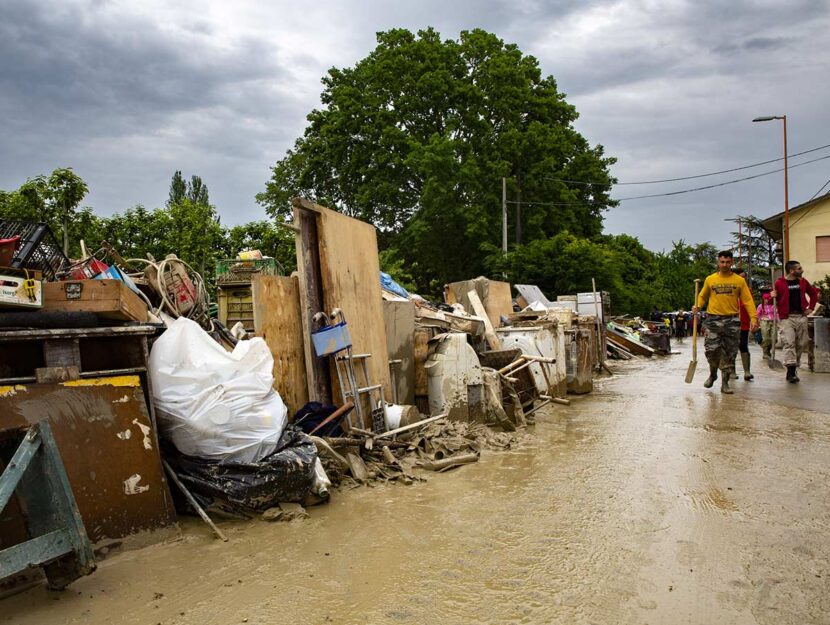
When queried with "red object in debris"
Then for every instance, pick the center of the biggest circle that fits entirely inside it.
(90, 268)
(7, 249)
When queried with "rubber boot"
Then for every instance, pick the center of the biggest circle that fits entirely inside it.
(792, 376)
(724, 383)
(745, 361)
(713, 375)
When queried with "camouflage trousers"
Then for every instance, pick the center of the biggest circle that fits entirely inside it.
(721, 342)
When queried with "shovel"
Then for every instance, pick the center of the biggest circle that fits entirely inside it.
(690, 372)
(772, 362)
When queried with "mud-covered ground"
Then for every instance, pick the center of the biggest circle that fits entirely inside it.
(649, 501)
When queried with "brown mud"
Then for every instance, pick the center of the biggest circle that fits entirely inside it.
(648, 501)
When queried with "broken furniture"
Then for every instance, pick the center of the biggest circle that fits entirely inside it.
(57, 540)
(334, 340)
(91, 385)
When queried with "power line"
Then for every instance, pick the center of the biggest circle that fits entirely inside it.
(820, 190)
(720, 184)
(714, 173)
(670, 193)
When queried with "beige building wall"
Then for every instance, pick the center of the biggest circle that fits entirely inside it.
(805, 226)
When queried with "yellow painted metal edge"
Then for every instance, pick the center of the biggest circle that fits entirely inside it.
(117, 380)
(11, 390)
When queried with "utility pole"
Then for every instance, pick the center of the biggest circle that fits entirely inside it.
(519, 216)
(504, 215)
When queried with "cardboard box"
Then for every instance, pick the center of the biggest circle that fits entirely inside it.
(13, 292)
(110, 299)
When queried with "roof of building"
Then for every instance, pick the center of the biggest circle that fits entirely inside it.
(773, 224)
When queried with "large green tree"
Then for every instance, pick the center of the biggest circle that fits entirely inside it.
(54, 200)
(416, 137)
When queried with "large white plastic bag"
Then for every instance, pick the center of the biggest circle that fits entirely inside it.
(212, 403)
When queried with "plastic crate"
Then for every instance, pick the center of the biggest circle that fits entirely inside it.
(235, 270)
(37, 248)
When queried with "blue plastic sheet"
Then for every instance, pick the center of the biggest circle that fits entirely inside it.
(387, 283)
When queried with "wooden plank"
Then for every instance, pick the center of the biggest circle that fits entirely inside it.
(399, 318)
(311, 299)
(34, 552)
(499, 301)
(110, 299)
(489, 334)
(420, 353)
(350, 281)
(277, 320)
(495, 296)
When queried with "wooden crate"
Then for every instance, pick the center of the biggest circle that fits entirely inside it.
(109, 299)
(236, 304)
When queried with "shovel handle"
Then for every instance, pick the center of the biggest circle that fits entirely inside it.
(694, 322)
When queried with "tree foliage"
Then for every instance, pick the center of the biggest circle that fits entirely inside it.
(53, 200)
(636, 278)
(416, 137)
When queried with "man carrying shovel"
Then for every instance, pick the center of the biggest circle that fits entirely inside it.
(721, 293)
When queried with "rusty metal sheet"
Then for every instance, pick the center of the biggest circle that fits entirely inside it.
(108, 446)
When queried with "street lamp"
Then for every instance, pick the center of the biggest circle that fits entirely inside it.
(770, 118)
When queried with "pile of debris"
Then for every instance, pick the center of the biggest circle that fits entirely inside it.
(328, 379)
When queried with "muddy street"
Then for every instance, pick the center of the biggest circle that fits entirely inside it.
(648, 501)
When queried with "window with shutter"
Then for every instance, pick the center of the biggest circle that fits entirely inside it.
(823, 249)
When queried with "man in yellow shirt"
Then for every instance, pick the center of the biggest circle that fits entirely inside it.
(722, 291)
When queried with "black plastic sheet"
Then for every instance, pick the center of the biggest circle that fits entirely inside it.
(286, 475)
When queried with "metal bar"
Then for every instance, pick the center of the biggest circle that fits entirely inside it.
(23, 380)
(18, 465)
(192, 500)
(411, 426)
(112, 372)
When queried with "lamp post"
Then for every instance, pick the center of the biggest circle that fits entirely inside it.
(770, 118)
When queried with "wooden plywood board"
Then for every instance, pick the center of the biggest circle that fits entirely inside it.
(350, 281)
(399, 317)
(496, 297)
(276, 302)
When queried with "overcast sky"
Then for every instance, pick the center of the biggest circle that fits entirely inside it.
(128, 92)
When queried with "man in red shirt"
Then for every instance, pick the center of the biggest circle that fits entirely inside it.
(796, 299)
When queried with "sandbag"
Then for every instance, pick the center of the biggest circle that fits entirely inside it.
(215, 404)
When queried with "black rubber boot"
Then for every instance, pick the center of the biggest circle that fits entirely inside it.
(792, 376)
(713, 375)
(745, 361)
(724, 384)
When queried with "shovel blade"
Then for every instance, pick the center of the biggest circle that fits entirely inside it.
(775, 365)
(690, 372)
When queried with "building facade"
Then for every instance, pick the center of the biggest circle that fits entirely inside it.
(809, 235)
